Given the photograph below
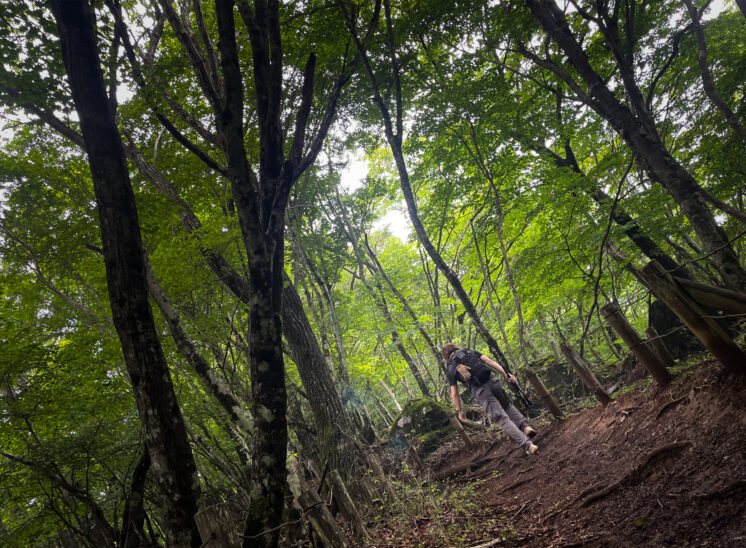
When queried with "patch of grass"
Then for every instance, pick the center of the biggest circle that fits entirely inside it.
(429, 513)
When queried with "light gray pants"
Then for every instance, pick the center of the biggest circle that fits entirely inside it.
(508, 417)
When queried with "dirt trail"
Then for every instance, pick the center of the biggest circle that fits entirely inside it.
(657, 467)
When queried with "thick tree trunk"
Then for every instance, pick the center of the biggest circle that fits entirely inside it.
(642, 137)
(334, 431)
(317, 381)
(165, 432)
(269, 400)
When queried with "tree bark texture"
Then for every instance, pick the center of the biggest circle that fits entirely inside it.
(641, 135)
(165, 433)
(261, 199)
(333, 428)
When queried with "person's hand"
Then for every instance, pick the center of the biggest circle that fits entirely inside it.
(461, 416)
(464, 371)
(510, 378)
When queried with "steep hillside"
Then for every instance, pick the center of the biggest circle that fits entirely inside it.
(657, 467)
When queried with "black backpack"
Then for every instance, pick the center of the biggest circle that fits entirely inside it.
(480, 373)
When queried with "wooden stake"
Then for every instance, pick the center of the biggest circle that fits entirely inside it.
(453, 418)
(218, 525)
(346, 504)
(636, 344)
(543, 393)
(585, 374)
(658, 346)
(717, 341)
(321, 519)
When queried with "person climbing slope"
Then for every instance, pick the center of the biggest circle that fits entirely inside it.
(475, 371)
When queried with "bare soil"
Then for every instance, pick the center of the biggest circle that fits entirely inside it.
(657, 467)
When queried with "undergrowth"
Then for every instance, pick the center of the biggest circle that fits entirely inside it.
(431, 513)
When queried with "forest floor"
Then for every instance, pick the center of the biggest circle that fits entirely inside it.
(657, 467)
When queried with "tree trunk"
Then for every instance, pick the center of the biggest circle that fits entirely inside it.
(212, 381)
(132, 534)
(640, 134)
(332, 426)
(707, 80)
(165, 432)
(394, 136)
(379, 298)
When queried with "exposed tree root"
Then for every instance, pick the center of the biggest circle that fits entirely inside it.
(670, 404)
(634, 475)
(488, 544)
(734, 486)
(474, 463)
(516, 484)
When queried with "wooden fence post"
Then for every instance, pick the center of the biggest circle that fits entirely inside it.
(346, 504)
(453, 418)
(218, 526)
(543, 393)
(636, 344)
(705, 329)
(377, 468)
(585, 374)
(321, 519)
(656, 343)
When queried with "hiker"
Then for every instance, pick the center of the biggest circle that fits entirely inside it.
(475, 371)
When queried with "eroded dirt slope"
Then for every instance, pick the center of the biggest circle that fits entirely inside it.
(658, 467)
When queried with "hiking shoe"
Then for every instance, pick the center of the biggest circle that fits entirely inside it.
(531, 449)
(529, 431)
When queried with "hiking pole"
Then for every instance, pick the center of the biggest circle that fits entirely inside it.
(521, 395)
(517, 389)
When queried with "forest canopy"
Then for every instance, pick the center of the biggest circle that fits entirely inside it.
(190, 290)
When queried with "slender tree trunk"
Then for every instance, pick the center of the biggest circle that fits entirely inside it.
(212, 381)
(380, 299)
(496, 310)
(393, 129)
(707, 80)
(509, 272)
(132, 534)
(431, 345)
(165, 432)
(390, 392)
(326, 292)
